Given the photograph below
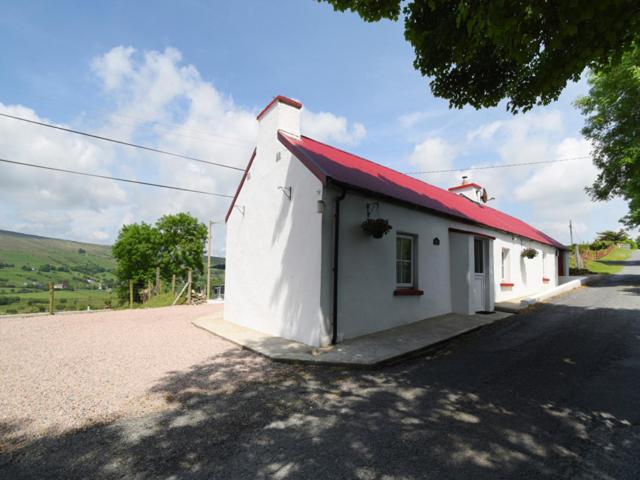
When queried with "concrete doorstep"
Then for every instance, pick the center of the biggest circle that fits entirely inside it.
(367, 351)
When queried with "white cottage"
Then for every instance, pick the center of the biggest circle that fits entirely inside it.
(300, 264)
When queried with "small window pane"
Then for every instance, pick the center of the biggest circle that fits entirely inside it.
(404, 261)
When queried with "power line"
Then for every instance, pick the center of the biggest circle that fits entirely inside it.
(105, 177)
(505, 165)
(241, 142)
(122, 142)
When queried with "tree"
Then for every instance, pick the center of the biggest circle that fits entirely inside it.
(612, 236)
(175, 243)
(182, 240)
(481, 52)
(612, 111)
(136, 252)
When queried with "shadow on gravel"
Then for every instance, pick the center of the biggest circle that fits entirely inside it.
(533, 396)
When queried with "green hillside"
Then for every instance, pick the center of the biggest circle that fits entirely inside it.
(28, 263)
(82, 272)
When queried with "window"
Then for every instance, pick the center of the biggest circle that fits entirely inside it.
(544, 262)
(505, 264)
(478, 255)
(405, 257)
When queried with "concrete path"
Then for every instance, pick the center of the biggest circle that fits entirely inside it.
(552, 393)
(367, 351)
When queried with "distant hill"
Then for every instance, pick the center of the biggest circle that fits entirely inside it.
(30, 262)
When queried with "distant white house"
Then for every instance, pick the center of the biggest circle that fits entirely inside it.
(300, 264)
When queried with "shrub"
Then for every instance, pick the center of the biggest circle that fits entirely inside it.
(11, 311)
(8, 300)
(599, 245)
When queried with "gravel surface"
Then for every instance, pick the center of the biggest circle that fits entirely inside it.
(67, 371)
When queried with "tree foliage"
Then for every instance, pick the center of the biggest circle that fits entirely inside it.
(175, 243)
(182, 239)
(479, 52)
(136, 252)
(613, 236)
(612, 111)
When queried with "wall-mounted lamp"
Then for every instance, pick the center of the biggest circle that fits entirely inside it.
(286, 191)
(436, 241)
(373, 207)
(320, 206)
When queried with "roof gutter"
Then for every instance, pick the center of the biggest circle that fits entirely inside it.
(336, 249)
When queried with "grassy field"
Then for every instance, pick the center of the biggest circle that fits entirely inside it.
(609, 264)
(28, 263)
(35, 302)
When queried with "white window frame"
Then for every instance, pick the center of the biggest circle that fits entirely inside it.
(544, 266)
(505, 264)
(412, 261)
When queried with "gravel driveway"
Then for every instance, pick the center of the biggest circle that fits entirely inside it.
(67, 371)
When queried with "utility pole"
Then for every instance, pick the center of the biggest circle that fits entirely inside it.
(211, 222)
(578, 257)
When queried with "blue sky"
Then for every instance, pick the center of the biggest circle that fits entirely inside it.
(190, 76)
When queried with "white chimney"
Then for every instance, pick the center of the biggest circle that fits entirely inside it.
(282, 113)
(471, 190)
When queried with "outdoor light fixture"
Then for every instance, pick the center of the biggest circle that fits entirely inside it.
(436, 241)
(320, 206)
(286, 191)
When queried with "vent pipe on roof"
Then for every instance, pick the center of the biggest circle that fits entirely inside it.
(465, 180)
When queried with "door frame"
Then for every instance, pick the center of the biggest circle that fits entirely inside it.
(486, 281)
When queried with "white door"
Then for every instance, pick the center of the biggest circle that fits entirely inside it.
(478, 282)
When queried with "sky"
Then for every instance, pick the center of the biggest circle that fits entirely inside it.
(191, 76)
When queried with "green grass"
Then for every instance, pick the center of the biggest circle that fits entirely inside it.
(22, 258)
(63, 300)
(602, 265)
(22, 275)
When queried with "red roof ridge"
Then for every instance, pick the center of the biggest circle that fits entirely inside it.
(280, 98)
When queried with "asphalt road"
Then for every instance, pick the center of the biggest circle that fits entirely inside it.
(553, 393)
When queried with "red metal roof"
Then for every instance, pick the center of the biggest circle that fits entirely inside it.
(283, 99)
(329, 163)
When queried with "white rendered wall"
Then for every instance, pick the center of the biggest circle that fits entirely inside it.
(367, 273)
(273, 264)
(367, 268)
(526, 274)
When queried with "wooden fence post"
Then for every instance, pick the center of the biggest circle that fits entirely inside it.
(157, 280)
(189, 288)
(130, 293)
(50, 298)
(173, 284)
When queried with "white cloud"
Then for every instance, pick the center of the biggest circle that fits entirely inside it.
(114, 66)
(547, 196)
(433, 154)
(160, 101)
(327, 127)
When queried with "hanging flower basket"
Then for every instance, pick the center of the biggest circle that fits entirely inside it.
(529, 253)
(376, 227)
